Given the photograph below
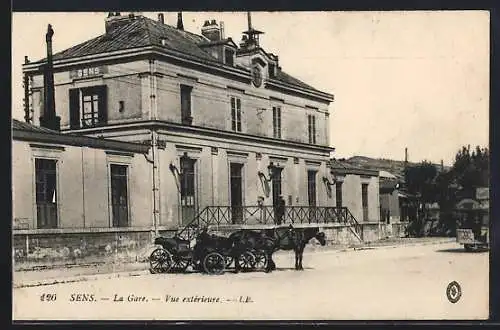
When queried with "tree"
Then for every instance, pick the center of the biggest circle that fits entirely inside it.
(471, 169)
(420, 182)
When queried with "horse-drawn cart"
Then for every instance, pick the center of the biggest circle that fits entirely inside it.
(245, 249)
(208, 253)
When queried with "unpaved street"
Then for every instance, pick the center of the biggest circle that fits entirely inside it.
(386, 283)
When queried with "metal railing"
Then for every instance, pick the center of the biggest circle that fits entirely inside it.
(268, 215)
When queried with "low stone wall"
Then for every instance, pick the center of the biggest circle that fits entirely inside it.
(399, 229)
(38, 248)
(336, 233)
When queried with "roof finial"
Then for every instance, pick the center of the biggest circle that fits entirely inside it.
(252, 40)
(249, 18)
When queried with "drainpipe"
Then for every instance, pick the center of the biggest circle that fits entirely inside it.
(155, 178)
(26, 85)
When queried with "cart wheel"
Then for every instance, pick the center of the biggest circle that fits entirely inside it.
(229, 260)
(160, 261)
(214, 263)
(260, 261)
(180, 265)
(246, 261)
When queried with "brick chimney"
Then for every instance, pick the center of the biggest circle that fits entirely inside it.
(49, 118)
(211, 30)
(115, 19)
(180, 25)
(161, 18)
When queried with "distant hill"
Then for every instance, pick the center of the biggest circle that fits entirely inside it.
(395, 167)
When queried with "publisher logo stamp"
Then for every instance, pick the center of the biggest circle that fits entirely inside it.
(453, 292)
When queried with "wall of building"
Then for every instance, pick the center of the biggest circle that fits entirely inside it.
(213, 157)
(389, 202)
(148, 96)
(211, 104)
(83, 195)
(351, 196)
(125, 83)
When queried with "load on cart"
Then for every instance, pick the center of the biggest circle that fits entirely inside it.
(472, 224)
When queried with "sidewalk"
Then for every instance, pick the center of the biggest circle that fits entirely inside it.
(28, 278)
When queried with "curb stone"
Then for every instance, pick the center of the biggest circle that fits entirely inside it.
(95, 277)
(81, 278)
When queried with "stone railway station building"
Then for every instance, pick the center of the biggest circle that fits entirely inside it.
(147, 127)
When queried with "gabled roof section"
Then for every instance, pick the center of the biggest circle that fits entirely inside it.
(27, 132)
(140, 31)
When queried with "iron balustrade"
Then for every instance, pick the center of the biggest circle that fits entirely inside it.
(267, 215)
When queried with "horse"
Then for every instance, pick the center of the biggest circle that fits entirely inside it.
(300, 238)
(281, 238)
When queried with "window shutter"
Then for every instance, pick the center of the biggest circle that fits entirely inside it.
(103, 104)
(74, 108)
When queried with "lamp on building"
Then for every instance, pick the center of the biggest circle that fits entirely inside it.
(329, 183)
(270, 170)
(174, 169)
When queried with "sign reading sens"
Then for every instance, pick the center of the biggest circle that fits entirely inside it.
(88, 72)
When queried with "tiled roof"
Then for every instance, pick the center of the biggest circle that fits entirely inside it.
(32, 133)
(286, 78)
(142, 31)
(139, 32)
(343, 167)
(22, 126)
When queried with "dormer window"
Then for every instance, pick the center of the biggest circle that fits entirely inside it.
(271, 70)
(229, 56)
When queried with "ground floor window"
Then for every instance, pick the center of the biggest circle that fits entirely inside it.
(364, 200)
(46, 192)
(338, 194)
(188, 188)
(119, 195)
(311, 187)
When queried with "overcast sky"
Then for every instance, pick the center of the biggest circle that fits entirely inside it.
(400, 79)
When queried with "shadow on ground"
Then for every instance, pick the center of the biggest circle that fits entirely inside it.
(462, 250)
